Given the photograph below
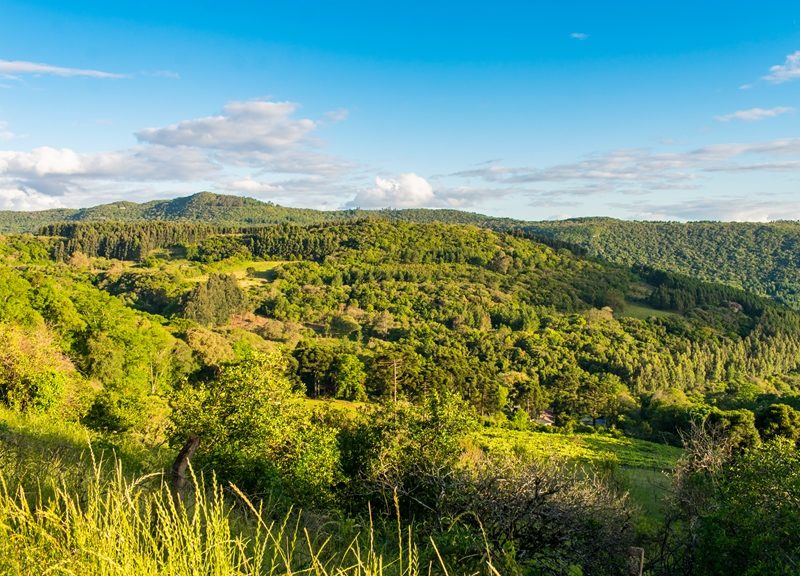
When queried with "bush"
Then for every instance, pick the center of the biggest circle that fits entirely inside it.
(255, 430)
(544, 518)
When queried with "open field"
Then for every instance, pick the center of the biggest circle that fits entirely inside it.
(643, 312)
(588, 448)
(641, 467)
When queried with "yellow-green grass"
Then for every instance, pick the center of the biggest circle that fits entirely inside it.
(113, 526)
(199, 272)
(335, 403)
(587, 448)
(69, 507)
(641, 468)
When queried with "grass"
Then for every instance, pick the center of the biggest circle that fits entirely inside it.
(649, 490)
(196, 272)
(638, 466)
(587, 448)
(116, 526)
(643, 312)
(66, 508)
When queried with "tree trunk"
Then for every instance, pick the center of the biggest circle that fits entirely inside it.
(178, 473)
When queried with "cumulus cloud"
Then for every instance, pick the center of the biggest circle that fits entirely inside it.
(20, 67)
(249, 185)
(149, 163)
(406, 191)
(256, 125)
(263, 136)
(578, 35)
(21, 198)
(754, 114)
(789, 70)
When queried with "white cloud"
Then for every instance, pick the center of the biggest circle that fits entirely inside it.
(405, 191)
(18, 67)
(141, 164)
(578, 35)
(256, 125)
(789, 70)
(204, 153)
(638, 170)
(20, 198)
(249, 185)
(754, 114)
(337, 115)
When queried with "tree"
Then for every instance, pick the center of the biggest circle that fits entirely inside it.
(409, 452)
(254, 430)
(779, 420)
(547, 518)
(314, 366)
(349, 377)
(739, 426)
(214, 301)
(343, 326)
(733, 511)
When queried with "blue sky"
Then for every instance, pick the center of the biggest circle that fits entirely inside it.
(656, 110)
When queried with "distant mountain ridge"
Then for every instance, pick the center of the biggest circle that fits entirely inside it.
(220, 209)
(763, 258)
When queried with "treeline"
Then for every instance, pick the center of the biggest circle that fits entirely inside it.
(122, 241)
(760, 258)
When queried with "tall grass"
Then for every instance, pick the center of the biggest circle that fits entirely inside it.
(113, 525)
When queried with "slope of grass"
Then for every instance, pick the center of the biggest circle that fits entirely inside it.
(639, 467)
(643, 312)
(595, 449)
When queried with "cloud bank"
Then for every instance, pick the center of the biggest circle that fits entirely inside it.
(242, 149)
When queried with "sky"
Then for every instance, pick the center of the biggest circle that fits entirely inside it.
(535, 110)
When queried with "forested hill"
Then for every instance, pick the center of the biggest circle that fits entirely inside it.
(760, 258)
(763, 258)
(374, 370)
(222, 210)
(201, 207)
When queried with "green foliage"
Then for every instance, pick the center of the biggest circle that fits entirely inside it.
(734, 510)
(35, 375)
(737, 426)
(255, 430)
(752, 529)
(214, 301)
(406, 452)
(349, 377)
(778, 420)
(760, 258)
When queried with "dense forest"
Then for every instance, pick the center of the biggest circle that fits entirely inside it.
(761, 258)
(380, 372)
(757, 257)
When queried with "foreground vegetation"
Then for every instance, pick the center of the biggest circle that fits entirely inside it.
(351, 380)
